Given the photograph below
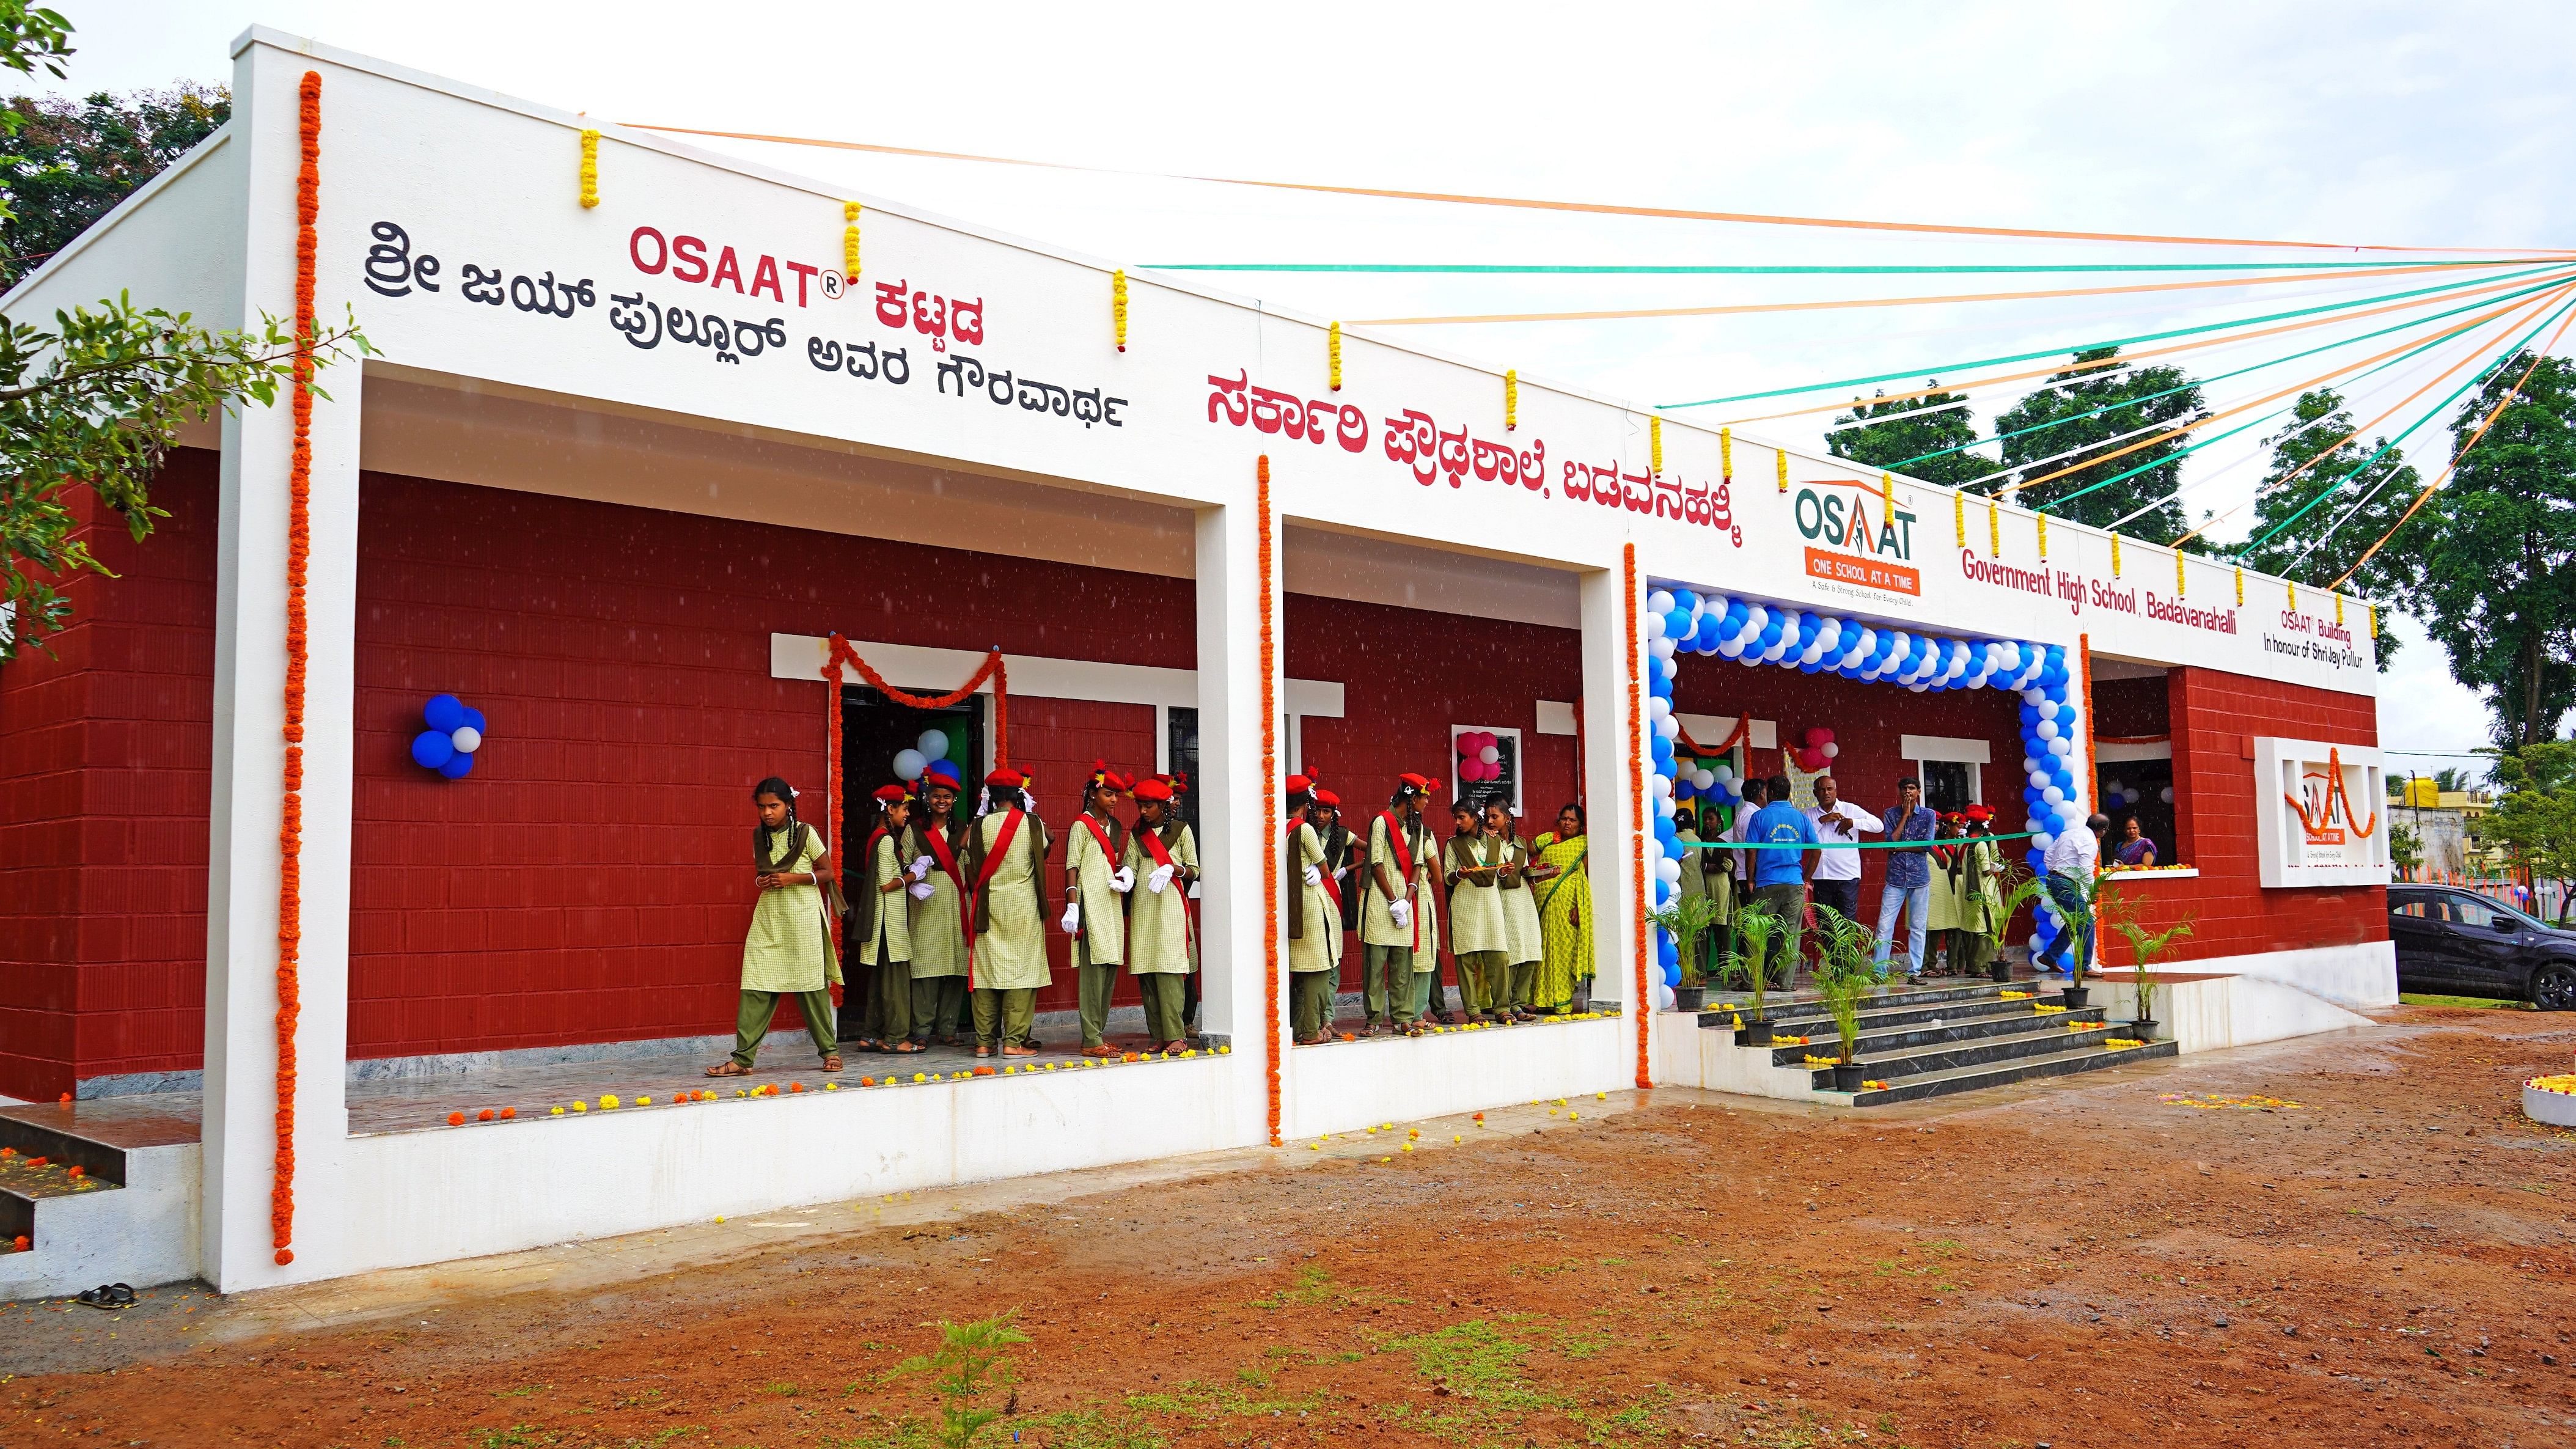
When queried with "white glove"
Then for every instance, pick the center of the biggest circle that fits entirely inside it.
(1161, 877)
(1123, 879)
(1072, 921)
(1400, 912)
(919, 890)
(920, 867)
(1314, 875)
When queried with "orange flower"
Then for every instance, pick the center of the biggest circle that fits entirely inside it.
(78, 1171)
(867, 1081)
(1350, 1036)
(507, 1113)
(483, 1116)
(455, 1119)
(38, 1161)
(21, 1243)
(796, 1086)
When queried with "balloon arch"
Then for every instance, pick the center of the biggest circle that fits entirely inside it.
(1680, 620)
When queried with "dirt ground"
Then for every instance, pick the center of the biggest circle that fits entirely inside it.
(2353, 1240)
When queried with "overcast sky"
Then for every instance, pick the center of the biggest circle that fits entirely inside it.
(2425, 125)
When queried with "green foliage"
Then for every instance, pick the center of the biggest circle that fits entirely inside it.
(2118, 909)
(1845, 972)
(2405, 847)
(971, 1361)
(32, 37)
(2316, 445)
(2079, 917)
(97, 403)
(1756, 930)
(2534, 818)
(1687, 918)
(75, 160)
(2006, 894)
(2497, 587)
(2082, 409)
(1900, 434)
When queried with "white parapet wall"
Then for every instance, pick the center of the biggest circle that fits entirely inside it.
(2211, 1013)
(1352, 1085)
(142, 1234)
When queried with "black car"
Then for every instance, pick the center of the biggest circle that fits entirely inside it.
(2462, 944)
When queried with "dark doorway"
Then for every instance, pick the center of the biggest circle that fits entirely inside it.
(1181, 747)
(874, 730)
(1949, 785)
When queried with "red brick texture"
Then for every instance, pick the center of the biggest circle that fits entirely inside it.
(104, 755)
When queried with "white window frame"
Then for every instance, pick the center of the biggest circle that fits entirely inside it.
(1920, 750)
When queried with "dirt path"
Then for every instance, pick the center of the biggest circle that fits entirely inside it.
(2388, 1261)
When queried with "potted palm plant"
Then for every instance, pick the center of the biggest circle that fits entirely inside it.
(1756, 930)
(2119, 912)
(1688, 918)
(1845, 973)
(2076, 914)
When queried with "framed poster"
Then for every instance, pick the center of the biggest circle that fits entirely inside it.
(2320, 814)
(1485, 764)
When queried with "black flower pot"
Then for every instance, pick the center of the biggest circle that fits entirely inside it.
(2144, 1029)
(1689, 998)
(2000, 971)
(1847, 1076)
(2076, 998)
(1756, 1032)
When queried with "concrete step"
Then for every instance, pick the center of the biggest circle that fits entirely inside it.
(1999, 1073)
(130, 1217)
(1937, 1057)
(2016, 1020)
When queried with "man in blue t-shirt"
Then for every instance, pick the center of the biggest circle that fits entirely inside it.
(1780, 873)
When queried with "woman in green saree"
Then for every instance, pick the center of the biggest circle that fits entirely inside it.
(1564, 914)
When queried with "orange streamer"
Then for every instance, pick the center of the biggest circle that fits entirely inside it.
(1269, 805)
(299, 553)
(992, 668)
(2334, 792)
(1643, 1007)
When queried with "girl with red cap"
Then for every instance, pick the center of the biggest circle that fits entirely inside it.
(1400, 923)
(934, 850)
(882, 927)
(1479, 935)
(1095, 913)
(1314, 919)
(1007, 960)
(1163, 857)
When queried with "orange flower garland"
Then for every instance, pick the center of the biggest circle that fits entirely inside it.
(1269, 804)
(299, 552)
(1637, 827)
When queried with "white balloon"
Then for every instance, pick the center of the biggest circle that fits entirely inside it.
(1670, 872)
(1667, 726)
(2052, 794)
(2033, 697)
(908, 764)
(2048, 729)
(1723, 773)
(933, 745)
(1660, 602)
(466, 738)
(1489, 754)
(1830, 749)
(1663, 996)
(1660, 784)
(1732, 648)
(1665, 808)
(2059, 747)
(1654, 626)
(1703, 779)
(2165, 794)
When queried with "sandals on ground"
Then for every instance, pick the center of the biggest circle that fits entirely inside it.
(905, 1048)
(832, 1063)
(109, 1296)
(728, 1068)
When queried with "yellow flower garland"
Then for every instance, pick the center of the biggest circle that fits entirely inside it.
(850, 242)
(1959, 517)
(589, 169)
(1511, 398)
(2115, 555)
(1333, 353)
(1783, 456)
(1655, 446)
(1994, 529)
(2178, 579)
(1118, 304)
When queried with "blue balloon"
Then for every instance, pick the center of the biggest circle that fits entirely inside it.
(432, 748)
(445, 713)
(474, 720)
(1685, 599)
(458, 766)
(1672, 973)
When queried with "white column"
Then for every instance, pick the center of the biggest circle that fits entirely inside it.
(1608, 791)
(1230, 779)
(249, 751)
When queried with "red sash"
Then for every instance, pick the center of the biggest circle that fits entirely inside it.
(1155, 847)
(1092, 823)
(937, 840)
(1395, 841)
(992, 862)
(1332, 887)
(1162, 854)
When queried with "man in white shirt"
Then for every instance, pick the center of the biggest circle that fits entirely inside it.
(1836, 881)
(2074, 857)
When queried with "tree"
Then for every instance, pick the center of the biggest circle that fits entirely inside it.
(97, 400)
(2534, 819)
(77, 160)
(1899, 435)
(2314, 454)
(2093, 411)
(2497, 587)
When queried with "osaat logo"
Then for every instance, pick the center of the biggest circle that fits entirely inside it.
(1856, 537)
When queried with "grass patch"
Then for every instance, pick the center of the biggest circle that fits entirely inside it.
(2428, 998)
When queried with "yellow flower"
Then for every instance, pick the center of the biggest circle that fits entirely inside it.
(609, 1102)
(918, 1077)
(643, 1101)
(557, 1112)
(581, 1106)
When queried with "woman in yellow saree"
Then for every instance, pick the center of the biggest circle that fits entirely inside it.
(1564, 914)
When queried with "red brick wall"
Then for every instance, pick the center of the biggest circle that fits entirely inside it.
(2215, 714)
(104, 757)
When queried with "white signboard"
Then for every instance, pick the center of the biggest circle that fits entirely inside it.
(2319, 816)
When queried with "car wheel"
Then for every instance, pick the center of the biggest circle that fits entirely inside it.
(2553, 988)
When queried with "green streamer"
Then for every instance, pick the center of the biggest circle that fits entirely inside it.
(1854, 844)
(2557, 269)
(2435, 411)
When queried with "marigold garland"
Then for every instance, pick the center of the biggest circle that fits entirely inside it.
(2294, 594)
(1118, 305)
(1994, 530)
(1269, 803)
(1783, 457)
(1726, 455)
(1887, 489)
(1333, 355)
(1644, 1003)
(589, 168)
(850, 242)
(2338, 609)
(1655, 446)
(2240, 586)
(2179, 580)
(838, 653)
(1959, 517)
(1511, 398)
(2042, 520)
(299, 552)
(2115, 558)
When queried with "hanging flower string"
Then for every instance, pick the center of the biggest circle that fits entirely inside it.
(299, 552)
(1118, 305)
(1655, 446)
(1994, 530)
(1511, 399)
(1333, 355)
(1642, 1005)
(850, 242)
(1783, 469)
(589, 168)
(2178, 578)
(2115, 560)
(1269, 806)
